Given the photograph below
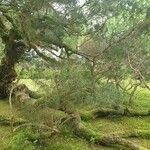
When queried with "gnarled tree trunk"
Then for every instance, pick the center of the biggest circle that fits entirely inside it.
(14, 49)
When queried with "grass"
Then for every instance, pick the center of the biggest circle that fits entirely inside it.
(104, 126)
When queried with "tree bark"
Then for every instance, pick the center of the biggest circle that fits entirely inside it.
(14, 49)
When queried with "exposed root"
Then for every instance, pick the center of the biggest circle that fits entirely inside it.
(81, 131)
(99, 113)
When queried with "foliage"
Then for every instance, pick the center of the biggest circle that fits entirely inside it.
(73, 83)
(34, 70)
(111, 35)
(107, 95)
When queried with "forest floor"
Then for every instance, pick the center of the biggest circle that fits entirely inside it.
(105, 126)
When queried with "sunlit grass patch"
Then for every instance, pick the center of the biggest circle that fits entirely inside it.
(142, 99)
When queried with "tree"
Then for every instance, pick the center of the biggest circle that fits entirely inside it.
(103, 34)
(52, 24)
(31, 25)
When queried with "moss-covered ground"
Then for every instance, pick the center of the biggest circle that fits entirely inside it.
(103, 126)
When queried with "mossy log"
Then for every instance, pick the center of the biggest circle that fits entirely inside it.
(100, 113)
(144, 134)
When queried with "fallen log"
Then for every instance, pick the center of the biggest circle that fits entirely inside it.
(100, 113)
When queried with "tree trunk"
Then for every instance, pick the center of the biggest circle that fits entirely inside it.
(14, 49)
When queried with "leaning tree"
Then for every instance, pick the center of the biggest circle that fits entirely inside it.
(35, 25)
(53, 25)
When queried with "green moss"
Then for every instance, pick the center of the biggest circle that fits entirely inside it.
(4, 108)
(143, 142)
(61, 143)
(142, 100)
(86, 115)
(116, 125)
